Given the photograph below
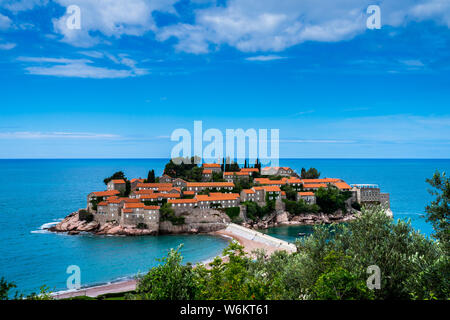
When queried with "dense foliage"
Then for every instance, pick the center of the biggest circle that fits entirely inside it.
(331, 199)
(411, 267)
(439, 209)
(300, 207)
(311, 173)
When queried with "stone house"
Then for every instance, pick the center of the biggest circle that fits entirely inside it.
(152, 186)
(248, 195)
(134, 182)
(200, 186)
(180, 183)
(308, 196)
(138, 214)
(165, 179)
(218, 199)
(277, 171)
(235, 176)
(116, 184)
(207, 175)
(214, 167)
(99, 196)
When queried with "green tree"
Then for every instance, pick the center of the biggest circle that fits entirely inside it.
(5, 288)
(117, 175)
(151, 178)
(168, 281)
(438, 211)
(311, 173)
(331, 199)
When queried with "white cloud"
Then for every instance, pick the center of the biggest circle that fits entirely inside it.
(81, 68)
(112, 18)
(248, 25)
(5, 22)
(273, 25)
(265, 58)
(55, 135)
(21, 5)
(7, 46)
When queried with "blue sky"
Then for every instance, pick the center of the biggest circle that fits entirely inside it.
(139, 69)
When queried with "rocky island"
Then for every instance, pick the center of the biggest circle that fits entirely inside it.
(189, 198)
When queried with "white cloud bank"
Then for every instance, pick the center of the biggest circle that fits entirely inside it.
(248, 25)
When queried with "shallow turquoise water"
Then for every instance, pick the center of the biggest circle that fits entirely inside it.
(35, 192)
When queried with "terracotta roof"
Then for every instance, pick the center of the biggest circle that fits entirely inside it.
(182, 201)
(249, 170)
(236, 173)
(106, 193)
(127, 210)
(315, 185)
(103, 203)
(217, 196)
(324, 180)
(136, 179)
(266, 181)
(271, 189)
(189, 192)
(210, 184)
(307, 193)
(152, 207)
(160, 195)
(207, 171)
(249, 191)
(342, 185)
(283, 193)
(118, 181)
(211, 165)
(133, 205)
(154, 185)
(144, 191)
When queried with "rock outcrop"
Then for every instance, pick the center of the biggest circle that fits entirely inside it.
(285, 218)
(196, 221)
(73, 225)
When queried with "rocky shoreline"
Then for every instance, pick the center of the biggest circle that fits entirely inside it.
(72, 225)
(287, 219)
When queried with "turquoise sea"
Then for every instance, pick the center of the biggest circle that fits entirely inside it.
(37, 192)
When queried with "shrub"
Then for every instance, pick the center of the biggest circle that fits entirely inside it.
(233, 212)
(84, 215)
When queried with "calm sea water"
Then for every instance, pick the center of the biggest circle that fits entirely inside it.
(36, 192)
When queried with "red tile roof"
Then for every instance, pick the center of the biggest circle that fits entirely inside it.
(211, 165)
(154, 185)
(106, 193)
(118, 181)
(182, 201)
(307, 193)
(342, 185)
(207, 171)
(210, 184)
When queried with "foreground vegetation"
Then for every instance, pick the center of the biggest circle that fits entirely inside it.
(412, 267)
